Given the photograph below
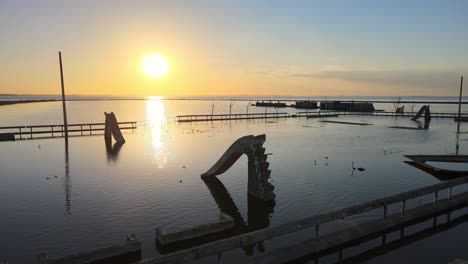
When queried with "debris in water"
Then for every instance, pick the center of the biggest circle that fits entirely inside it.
(55, 176)
(47, 178)
(361, 169)
(180, 181)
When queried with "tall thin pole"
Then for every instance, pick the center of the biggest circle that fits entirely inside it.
(65, 123)
(459, 104)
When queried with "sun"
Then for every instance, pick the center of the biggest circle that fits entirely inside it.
(155, 65)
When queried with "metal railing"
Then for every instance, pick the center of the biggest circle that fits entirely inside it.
(217, 247)
(27, 132)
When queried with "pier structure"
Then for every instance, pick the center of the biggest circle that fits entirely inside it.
(311, 114)
(398, 212)
(51, 131)
(224, 117)
(347, 106)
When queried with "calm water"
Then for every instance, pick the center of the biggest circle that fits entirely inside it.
(154, 180)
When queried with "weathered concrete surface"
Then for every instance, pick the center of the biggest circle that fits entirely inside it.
(127, 253)
(165, 237)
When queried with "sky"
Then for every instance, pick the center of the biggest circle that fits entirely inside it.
(243, 47)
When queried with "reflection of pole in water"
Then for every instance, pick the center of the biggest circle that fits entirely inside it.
(67, 180)
(457, 144)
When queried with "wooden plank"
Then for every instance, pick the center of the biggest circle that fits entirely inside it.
(345, 123)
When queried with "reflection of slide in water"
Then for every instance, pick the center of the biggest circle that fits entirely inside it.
(113, 150)
(438, 225)
(258, 215)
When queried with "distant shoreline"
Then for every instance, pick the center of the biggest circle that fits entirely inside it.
(12, 102)
(24, 102)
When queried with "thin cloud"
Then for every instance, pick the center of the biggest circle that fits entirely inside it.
(419, 78)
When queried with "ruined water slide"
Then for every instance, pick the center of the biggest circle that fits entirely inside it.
(258, 172)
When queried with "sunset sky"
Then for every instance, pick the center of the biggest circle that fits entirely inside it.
(235, 47)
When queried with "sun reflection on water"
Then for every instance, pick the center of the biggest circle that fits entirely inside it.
(156, 118)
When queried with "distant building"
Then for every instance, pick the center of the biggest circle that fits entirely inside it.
(347, 106)
(306, 105)
(270, 103)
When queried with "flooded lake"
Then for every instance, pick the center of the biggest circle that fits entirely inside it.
(68, 200)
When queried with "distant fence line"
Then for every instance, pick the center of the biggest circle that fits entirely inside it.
(28, 132)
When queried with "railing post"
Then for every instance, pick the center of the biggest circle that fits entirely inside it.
(31, 132)
(81, 128)
(449, 192)
(436, 196)
(21, 134)
(317, 230)
(220, 257)
(384, 239)
(385, 209)
(52, 127)
(90, 132)
(403, 207)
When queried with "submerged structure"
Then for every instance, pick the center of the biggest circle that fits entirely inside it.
(260, 199)
(270, 103)
(425, 109)
(112, 129)
(420, 162)
(306, 105)
(347, 106)
(258, 172)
